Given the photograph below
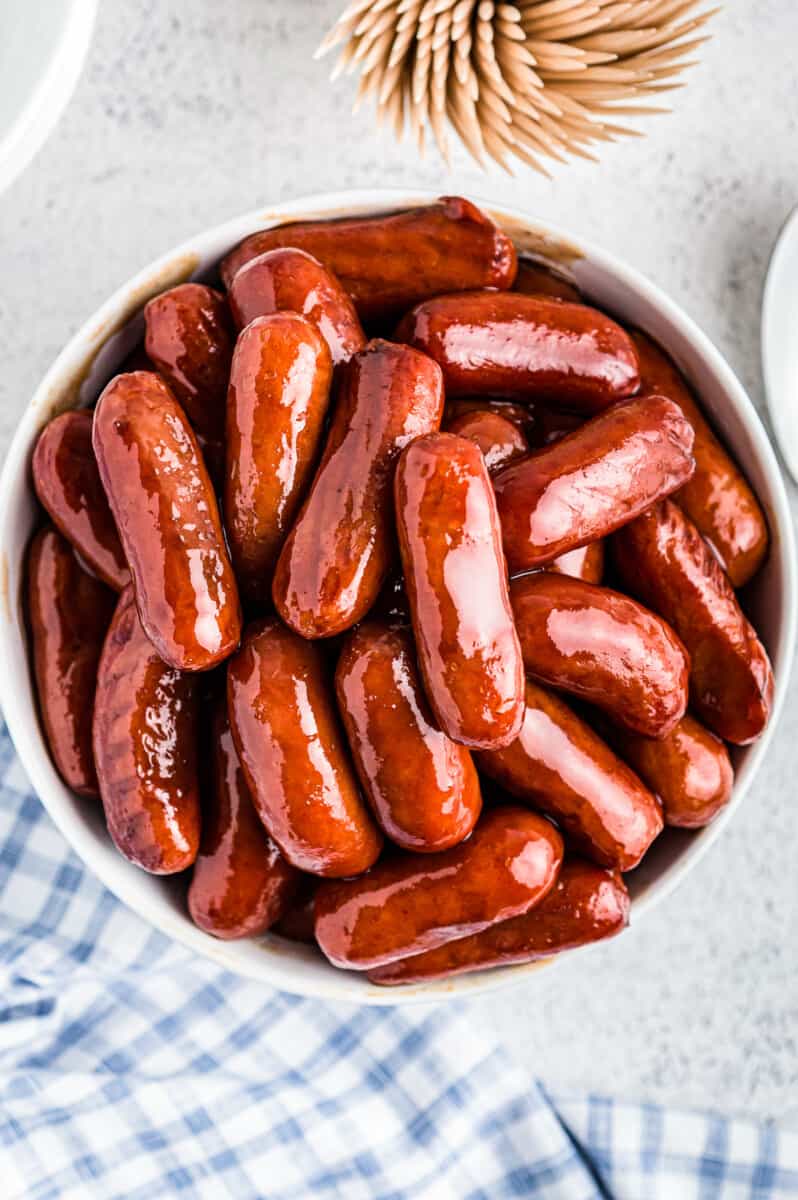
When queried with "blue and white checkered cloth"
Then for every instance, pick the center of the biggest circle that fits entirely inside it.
(131, 1068)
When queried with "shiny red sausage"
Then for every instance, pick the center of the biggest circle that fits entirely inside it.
(499, 439)
(289, 279)
(603, 647)
(456, 583)
(388, 263)
(663, 559)
(241, 884)
(585, 905)
(689, 771)
(560, 766)
(166, 513)
(587, 562)
(592, 481)
(422, 787)
(68, 484)
(188, 340)
(338, 554)
(145, 748)
(718, 499)
(537, 279)
(292, 749)
(279, 392)
(69, 613)
(530, 347)
(414, 902)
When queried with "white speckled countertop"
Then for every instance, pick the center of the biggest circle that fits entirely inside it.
(190, 113)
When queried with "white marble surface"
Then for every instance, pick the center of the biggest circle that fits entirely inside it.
(188, 113)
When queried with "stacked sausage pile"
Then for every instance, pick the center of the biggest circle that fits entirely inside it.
(328, 778)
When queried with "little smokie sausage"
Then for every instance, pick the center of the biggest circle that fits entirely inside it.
(585, 905)
(339, 552)
(389, 263)
(241, 884)
(422, 787)
(145, 748)
(593, 480)
(718, 499)
(189, 342)
(292, 749)
(456, 583)
(508, 344)
(67, 482)
(499, 439)
(537, 279)
(689, 771)
(279, 392)
(414, 902)
(662, 558)
(587, 562)
(603, 647)
(165, 510)
(559, 765)
(69, 613)
(289, 279)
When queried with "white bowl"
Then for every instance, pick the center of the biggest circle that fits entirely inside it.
(77, 377)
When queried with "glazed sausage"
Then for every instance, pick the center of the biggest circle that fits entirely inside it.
(537, 279)
(662, 558)
(188, 341)
(291, 747)
(456, 583)
(603, 647)
(241, 884)
(388, 263)
(560, 766)
(338, 554)
(587, 562)
(592, 481)
(289, 279)
(165, 510)
(68, 485)
(69, 613)
(422, 787)
(146, 747)
(689, 771)
(521, 415)
(499, 439)
(414, 902)
(718, 499)
(297, 922)
(525, 347)
(279, 392)
(585, 905)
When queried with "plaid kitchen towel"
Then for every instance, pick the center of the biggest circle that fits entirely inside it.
(131, 1068)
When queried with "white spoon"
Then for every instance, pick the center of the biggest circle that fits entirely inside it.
(780, 342)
